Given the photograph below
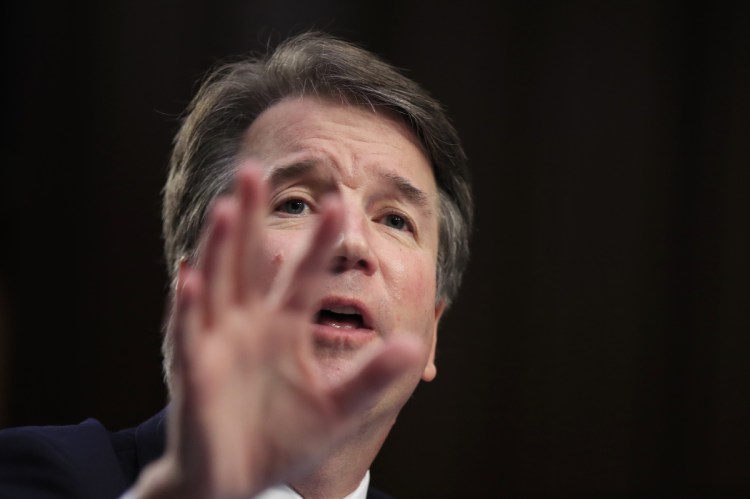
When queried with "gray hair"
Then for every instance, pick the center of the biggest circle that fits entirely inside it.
(207, 146)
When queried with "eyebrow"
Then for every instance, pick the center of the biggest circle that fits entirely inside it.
(411, 193)
(284, 173)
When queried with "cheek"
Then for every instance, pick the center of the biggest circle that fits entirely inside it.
(274, 253)
(413, 288)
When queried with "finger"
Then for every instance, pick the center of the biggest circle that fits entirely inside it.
(395, 359)
(297, 287)
(215, 263)
(186, 318)
(251, 195)
(187, 394)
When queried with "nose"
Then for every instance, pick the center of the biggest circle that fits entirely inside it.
(353, 250)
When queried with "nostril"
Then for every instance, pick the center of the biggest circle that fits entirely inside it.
(339, 264)
(342, 264)
(363, 264)
(353, 253)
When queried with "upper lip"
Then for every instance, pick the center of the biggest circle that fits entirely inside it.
(348, 306)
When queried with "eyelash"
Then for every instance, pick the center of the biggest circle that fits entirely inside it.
(286, 202)
(408, 225)
(279, 206)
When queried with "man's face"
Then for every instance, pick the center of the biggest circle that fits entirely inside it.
(382, 283)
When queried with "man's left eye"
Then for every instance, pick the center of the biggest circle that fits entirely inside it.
(395, 221)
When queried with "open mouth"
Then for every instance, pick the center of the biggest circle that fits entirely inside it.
(341, 317)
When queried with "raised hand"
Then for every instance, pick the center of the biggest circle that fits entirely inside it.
(250, 407)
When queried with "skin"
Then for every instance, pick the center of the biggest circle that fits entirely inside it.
(334, 207)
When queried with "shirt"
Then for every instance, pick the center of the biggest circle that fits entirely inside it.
(286, 492)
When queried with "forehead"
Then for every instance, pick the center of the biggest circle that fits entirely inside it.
(355, 141)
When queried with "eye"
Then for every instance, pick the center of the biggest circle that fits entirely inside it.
(293, 207)
(396, 221)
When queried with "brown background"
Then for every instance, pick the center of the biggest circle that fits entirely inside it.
(600, 346)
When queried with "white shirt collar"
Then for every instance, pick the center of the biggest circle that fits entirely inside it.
(286, 492)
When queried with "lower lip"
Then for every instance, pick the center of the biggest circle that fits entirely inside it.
(341, 337)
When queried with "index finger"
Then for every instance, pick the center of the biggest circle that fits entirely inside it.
(296, 286)
(251, 193)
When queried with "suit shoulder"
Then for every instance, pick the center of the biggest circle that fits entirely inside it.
(59, 461)
(31, 465)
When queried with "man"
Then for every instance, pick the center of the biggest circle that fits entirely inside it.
(316, 223)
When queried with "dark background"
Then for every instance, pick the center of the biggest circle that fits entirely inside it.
(600, 347)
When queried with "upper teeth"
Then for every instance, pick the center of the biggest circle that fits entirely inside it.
(344, 310)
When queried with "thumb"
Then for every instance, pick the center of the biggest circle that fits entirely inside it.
(395, 359)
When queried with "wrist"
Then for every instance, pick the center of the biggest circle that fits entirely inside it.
(161, 480)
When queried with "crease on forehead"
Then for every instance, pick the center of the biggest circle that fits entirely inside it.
(305, 105)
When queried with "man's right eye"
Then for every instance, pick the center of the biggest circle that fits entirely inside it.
(293, 207)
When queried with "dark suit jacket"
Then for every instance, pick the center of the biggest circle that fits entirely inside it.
(83, 461)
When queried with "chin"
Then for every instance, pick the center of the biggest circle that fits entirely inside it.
(337, 366)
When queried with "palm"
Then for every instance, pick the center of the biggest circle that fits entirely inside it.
(250, 406)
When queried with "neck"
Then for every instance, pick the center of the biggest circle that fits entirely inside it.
(342, 472)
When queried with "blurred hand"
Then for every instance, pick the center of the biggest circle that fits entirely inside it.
(250, 407)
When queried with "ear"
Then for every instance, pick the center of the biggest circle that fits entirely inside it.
(430, 371)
